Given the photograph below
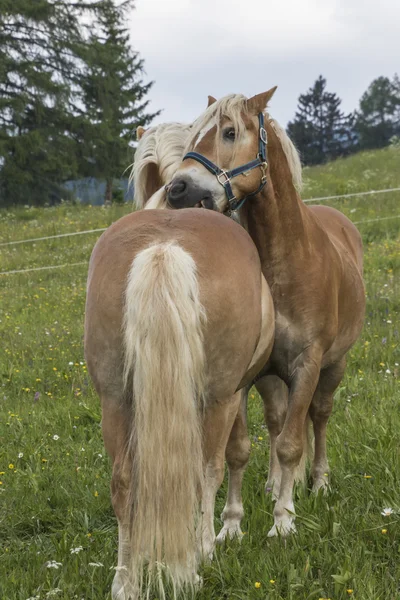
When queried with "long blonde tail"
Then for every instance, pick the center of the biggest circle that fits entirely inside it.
(164, 357)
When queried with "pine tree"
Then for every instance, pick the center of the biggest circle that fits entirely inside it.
(36, 65)
(70, 95)
(112, 95)
(378, 117)
(320, 130)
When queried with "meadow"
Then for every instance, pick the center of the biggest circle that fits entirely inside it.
(58, 534)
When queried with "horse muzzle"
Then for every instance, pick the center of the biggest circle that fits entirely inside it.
(182, 192)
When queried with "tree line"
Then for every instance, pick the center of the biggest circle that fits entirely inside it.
(72, 94)
(321, 131)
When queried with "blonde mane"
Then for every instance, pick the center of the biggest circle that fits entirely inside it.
(162, 146)
(232, 107)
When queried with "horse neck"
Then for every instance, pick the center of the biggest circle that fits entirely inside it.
(276, 219)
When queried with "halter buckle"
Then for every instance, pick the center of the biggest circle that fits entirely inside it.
(263, 135)
(225, 181)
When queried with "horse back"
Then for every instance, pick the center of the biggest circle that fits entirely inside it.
(341, 231)
(230, 282)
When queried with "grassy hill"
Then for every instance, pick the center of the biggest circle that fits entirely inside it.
(54, 474)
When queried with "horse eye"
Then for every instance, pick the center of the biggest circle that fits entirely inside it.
(229, 134)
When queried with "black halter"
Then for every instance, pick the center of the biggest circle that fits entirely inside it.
(224, 177)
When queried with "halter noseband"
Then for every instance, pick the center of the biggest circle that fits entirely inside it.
(224, 177)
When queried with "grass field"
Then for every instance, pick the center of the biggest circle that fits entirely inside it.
(58, 534)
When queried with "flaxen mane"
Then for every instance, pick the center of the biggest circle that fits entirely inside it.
(232, 107)
(162, 146)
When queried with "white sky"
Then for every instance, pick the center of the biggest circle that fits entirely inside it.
(193, 48)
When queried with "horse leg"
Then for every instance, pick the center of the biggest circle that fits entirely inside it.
(320, 411)
(237, 456)
(218, 421)
(115, 424)
(273, 392)
(290, 443)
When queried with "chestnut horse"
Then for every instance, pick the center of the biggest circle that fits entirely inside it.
(178, 319)
(311, 258)
(158, 156)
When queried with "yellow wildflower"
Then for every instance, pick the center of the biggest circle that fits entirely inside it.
(257, 585)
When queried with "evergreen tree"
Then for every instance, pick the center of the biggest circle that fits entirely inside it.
(378, 117)
(320, 130)
(70, 93)
(36, 64)
(112, 95)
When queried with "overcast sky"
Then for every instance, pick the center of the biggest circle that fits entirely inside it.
(193, 48)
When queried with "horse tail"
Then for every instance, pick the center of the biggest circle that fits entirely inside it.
(164, 360)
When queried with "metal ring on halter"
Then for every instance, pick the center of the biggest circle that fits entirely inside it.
(223, 174)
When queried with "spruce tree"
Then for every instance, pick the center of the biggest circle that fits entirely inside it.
(378, 117)
(320, 130)
(70, 95)
(36, 65)
(112, 95)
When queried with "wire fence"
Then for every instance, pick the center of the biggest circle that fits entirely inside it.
(99, 230)
(89, 231)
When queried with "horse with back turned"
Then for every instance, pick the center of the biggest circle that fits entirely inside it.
(178, 320)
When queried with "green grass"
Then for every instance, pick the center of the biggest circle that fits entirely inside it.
(54, 491)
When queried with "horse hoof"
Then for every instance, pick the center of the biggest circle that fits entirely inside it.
(283, 528)
(231, 532)
(321, 484)
(121, 588)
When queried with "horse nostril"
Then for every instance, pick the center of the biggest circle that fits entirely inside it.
(177, 189)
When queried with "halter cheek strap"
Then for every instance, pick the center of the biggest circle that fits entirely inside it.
(224, 177)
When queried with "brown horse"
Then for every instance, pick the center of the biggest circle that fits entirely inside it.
(158, 156)
(178, 319)
(311, 258)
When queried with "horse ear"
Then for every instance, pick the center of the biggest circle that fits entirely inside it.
(259, 102)
(211, 100)
(140, 131)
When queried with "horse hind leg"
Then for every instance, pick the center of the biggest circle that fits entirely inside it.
(274, 394)
(320, 411)
(237, 457)
(217, 425)
(115, 421)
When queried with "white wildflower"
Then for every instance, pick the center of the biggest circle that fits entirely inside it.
(387, 512)
(76, 550)
(52, 564)
(20, 455)
(56, 437)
